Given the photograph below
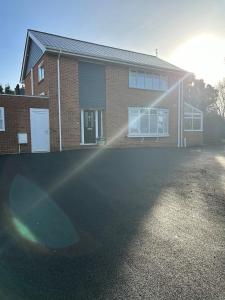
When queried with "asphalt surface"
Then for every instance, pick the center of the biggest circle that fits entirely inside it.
(149, 224)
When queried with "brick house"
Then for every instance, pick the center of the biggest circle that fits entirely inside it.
(97, 94)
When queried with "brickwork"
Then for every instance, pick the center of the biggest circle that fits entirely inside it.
(120, 97)
(17, 120)
(193, 138)
(70, 107)
(38, 86)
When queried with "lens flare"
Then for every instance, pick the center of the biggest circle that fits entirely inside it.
(24, 231)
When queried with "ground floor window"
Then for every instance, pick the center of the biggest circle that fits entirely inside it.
(193, 118)
(91, 126)
(147, 122)
(2, 119)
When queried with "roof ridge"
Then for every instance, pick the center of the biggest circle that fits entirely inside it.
(102, 45)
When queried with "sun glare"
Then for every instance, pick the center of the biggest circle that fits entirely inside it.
(203, 55)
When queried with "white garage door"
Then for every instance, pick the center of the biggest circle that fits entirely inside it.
(39, 122)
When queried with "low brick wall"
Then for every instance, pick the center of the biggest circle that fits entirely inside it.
(193, 138)
(17, 120)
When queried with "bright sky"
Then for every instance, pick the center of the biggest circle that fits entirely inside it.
(190, 34)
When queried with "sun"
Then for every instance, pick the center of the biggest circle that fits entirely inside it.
(204, 55)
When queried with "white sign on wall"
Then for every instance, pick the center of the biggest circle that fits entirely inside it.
(22, 138)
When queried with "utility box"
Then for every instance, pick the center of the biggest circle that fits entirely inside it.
(22, 138)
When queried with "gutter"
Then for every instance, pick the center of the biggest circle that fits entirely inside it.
(59, 102)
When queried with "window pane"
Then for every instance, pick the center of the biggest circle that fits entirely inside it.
(144, 121)
(1, 118)
(155, 82)
(148, 81)
(160, 123)
(187, 123)
(163, 83)
(196, 124)
(132, 79)
(141, 80)
(164, 116)
(195, 111)
(133, 121)
(40, 72)
(187, 109)
(153, 111)
(153, 124)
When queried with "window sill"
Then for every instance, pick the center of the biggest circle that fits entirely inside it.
(148, 136)
(88, 144)
(191, 130)
(148, 90)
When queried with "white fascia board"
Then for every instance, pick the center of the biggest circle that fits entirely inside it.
(40, 45)
(29, 36)
(24, 58)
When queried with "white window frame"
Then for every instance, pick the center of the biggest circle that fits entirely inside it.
(41, 72)
(2, 109)
(193, 115)
(139, 134)
(135, 77)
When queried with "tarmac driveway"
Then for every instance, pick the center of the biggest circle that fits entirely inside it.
(116, 224)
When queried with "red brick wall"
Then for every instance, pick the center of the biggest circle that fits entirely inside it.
(39, 86)
(193, 138)
(119, 97)
(70, 108)
(51, 88)
(27, 83)
(17, 120)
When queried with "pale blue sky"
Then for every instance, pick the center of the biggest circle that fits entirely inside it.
(140, 25)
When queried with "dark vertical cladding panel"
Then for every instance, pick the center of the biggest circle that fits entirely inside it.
(92, 85)
(35, 54)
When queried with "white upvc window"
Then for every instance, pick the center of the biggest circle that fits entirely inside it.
(193, 118)
(2, 119)
(147, 122)
(147, 81)
(41, 71)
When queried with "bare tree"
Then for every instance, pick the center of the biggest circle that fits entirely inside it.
(220, 103)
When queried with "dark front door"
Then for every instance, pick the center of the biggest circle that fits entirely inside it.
(89, 127)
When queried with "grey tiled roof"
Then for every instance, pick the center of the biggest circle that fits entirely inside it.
(82, 48)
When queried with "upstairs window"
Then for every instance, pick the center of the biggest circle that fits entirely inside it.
(2, 119)
(147, 122)
(147, 81)
(193, 118)
(41, 72)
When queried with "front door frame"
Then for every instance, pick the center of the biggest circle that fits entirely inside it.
(96, 126)
(36, 110)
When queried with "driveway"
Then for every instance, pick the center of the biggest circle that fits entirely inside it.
(116, 224)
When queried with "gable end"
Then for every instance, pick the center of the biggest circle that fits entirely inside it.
(34, 54)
